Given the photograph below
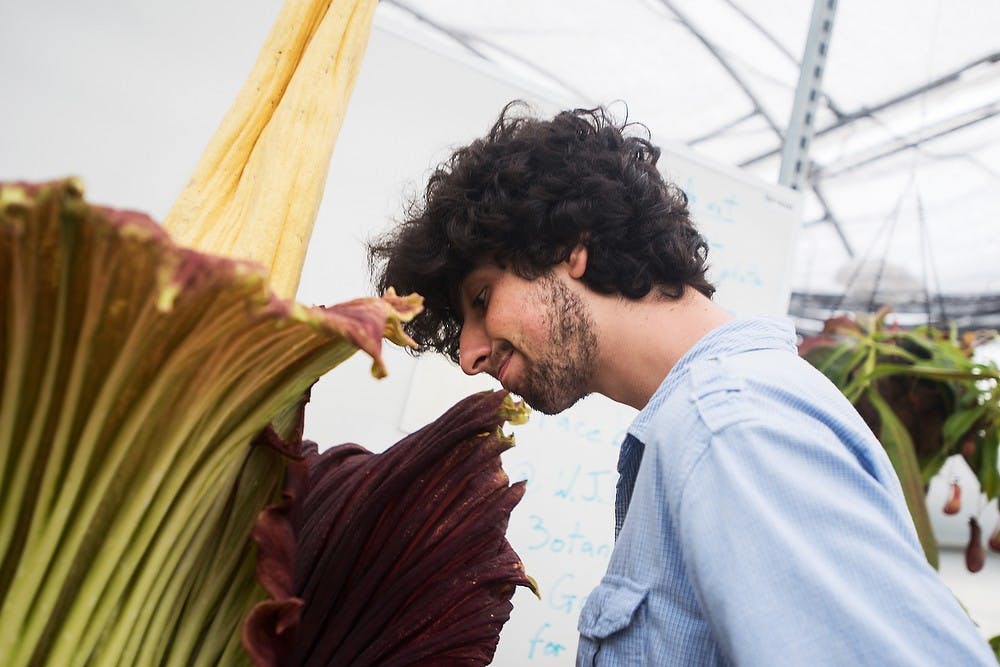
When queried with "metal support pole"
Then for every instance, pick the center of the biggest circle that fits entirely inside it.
(795, 153)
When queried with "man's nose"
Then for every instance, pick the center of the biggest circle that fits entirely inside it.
(474, 349)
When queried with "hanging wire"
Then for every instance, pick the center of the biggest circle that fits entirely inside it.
(887, 228)
(893, 220)
(927, 257)
(929, 266)
(877, 282)
(924, 257)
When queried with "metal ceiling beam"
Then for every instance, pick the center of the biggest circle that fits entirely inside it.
(763, 31)
(469, 43)
(795, 149)
(811, 94)
(829, 217)
(711, 134)
(869, 111)
(919, 138)
(951, 77)
(712, 49)
(458, 37)
(776, 43)
(746, 16)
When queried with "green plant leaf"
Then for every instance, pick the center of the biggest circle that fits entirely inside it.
(989, 477)
(899, 446)
(931, 372)
(891, 350)
(958, 423)
(836, 361)
(933, 465)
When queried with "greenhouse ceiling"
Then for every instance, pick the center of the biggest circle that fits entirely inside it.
(902, 190)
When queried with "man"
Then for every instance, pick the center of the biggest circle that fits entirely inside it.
(758, 520)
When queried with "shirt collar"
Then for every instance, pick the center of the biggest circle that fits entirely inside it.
(733, 337)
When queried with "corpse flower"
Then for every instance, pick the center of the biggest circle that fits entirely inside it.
(396, 558)
(152, 381)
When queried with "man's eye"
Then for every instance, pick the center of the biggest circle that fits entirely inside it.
(479, 301)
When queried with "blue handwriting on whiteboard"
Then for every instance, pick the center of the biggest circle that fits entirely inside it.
(578, 428)
(589, 486)
(563, 598)
(744, 277)
(575, 543)
(540, 647)
(718, 209)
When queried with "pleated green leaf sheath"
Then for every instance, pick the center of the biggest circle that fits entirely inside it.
(134, 376)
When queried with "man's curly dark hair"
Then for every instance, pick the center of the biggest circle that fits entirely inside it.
(523, 197)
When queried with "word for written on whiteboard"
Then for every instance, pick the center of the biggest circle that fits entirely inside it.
(541, 645)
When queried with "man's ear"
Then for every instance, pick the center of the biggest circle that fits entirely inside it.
(577, 262)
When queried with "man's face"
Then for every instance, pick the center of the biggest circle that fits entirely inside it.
(535, 336)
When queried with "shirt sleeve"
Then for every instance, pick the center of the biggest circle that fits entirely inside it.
(800, 554)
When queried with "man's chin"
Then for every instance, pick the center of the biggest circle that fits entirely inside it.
(553, 405)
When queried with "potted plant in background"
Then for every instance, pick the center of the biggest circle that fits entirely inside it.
(927, 397)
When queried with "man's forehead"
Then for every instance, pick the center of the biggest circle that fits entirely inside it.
(482, 271)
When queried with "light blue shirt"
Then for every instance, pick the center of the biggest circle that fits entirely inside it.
(765, 526)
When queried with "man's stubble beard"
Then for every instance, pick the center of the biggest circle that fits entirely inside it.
(556, 379)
